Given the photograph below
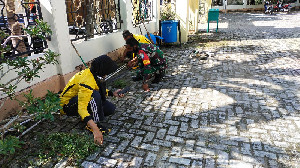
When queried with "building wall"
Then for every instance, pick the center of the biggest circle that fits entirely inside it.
(182, 13)
(193, 15)
(54, 77)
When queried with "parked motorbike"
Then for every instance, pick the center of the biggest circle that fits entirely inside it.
(280, 7)
(268, 8)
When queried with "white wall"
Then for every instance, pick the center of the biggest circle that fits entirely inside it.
(54, 12)
(182, 11)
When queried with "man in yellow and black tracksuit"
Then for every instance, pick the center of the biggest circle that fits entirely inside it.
(85, 95)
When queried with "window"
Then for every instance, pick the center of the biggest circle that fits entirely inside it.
(87, 18)
(14, 23)
(142, 11)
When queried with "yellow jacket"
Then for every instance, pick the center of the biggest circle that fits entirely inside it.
(141, 39)
(82, 84)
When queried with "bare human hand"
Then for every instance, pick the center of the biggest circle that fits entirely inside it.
(116, 94)
(98, 137)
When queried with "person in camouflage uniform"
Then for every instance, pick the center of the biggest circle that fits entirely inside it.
(149, 59)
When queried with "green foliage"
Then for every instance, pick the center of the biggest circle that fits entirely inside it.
(19, 127)
(9, 145)
(119, 83)
(42, 108)
(41, 30)
(167, 13)
(27, 69)
(74, 146)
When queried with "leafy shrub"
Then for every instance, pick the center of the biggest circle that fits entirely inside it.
(71, 145)
(9, 145)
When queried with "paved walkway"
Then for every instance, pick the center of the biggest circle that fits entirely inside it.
(239, 108)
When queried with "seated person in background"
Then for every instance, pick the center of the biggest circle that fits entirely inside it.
(85, 95)
(149, 59)
(140, 38)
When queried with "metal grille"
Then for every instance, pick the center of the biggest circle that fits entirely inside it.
(15, 17)
(142, 11)
(87, 18)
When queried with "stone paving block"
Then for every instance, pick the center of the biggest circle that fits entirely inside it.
(136, 162)
(86, 164)
(150, 159)
(239, 164)
(256, 145)
(222, 158)
(197, 164)
(174, 139)
(108, 150)
(162, 143)
(123, 145)
(136, 152)
(176, 150)
(190, 144)
(246, 149)
(149, 137)
(172, 130)
(264, 154)
(107, 162)
(136, 141)
(209, 163)
(150, 147)
(184, 126)
(161, 133)
(122, 165)
(179, 160)
(121, 156)
(94, 155)
(195, 124)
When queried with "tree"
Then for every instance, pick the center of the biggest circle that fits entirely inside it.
(26, 70)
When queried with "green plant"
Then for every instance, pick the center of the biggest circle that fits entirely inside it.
(26, 70)
(9, 145)
(120, 83)
(167, 13)
(73, 146)
(42, 108)
(228, 149)
(41, 30)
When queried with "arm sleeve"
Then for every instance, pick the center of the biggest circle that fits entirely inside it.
(84, 97)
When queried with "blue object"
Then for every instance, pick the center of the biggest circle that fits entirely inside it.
(213, 15)
(169, 30)
(152, 37)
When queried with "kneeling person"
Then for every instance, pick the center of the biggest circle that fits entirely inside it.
(149, 60)
(85, 95)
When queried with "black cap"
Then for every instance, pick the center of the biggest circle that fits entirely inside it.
(103, 65)
(126, 33)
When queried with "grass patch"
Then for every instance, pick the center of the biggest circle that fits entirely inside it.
(66, 145)
(120, 83)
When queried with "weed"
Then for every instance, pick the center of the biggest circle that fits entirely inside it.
(120, 83)
(207, 143)
(228, 149)
(66, 145)
(9, 145)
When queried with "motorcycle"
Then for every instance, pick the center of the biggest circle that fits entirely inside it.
(268, 8)
(280, 7)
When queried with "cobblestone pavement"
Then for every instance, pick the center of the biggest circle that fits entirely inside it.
(239, 108)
